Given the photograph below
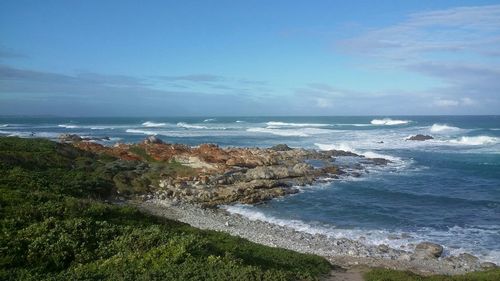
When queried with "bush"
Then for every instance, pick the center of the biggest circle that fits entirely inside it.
(54, 227)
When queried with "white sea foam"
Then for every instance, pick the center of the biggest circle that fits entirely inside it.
(389, 122)
(476, 140)
(145, 132)
(368, 154)
(437, 128)
(255, 215)
(209, 120)
(153, 124)
(274, 124)
(4, 125)
(68, 126)
(453, 238)
(190, 126)
(302, 132)
(239, 121)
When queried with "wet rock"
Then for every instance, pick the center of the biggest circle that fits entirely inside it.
(379, 161)
(70, 138)
(153, 140)
(383, 248)
(281, 147)
(420, 137)
(427, 250)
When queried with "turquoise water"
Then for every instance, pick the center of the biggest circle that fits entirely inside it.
(445, 190)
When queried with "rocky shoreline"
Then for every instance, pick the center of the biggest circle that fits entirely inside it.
(425, 259)
(189, 183)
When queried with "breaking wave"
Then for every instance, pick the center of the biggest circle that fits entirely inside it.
(477, 140)
(285, 124)
(367, 154)
(68, 126)
(153, 124)
(145, 132)
(437, 128)
(389, 122)
(303, 132)
(209, 120)
(189, 126)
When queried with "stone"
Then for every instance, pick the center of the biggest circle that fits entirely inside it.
(153, 140)
(488, 265)
(420, 137)
(70, 138)
(468, 258)
(428, 250)
(281, 147)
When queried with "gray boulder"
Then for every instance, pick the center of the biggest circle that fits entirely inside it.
(153, 140)
(426, 250)
(70, 138)
(281, 147)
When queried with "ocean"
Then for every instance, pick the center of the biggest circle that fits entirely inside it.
(445, 190)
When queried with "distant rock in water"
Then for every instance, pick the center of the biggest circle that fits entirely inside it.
(153, 140)
(281, 147)
(420, 137)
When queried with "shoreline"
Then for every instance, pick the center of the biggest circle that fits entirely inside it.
(339, 252)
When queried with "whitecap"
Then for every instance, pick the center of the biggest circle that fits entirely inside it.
(145, 132)
(68, 126)
(4, 125)
(153, 124)
(389, 122)
(209, 120)
(476, 140)
(302, 132)
(189, 126)
(367, 154)
(437, 128)
(275, 124)
(239, 121)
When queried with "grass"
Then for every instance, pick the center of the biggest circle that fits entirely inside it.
(55, 226)
(396, 275)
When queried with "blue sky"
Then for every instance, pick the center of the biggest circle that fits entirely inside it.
(161, 58)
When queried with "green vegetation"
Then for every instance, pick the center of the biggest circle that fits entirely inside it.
(55, 226)
(396, 275)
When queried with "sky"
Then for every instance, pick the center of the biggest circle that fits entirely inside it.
(223, 58)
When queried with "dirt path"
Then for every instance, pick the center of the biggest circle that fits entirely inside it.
(352, 274)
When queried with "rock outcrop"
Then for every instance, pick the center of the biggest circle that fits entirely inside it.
(211, 175)
(428, 250)
(420, 137)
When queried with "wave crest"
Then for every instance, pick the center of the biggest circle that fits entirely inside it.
(477, 140)
(189, 126)
(67, 126)
(389, 122)
(145, 132)
(153, 124)
(436, 128)
(286, 124)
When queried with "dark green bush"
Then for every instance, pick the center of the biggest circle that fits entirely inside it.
(54, 226)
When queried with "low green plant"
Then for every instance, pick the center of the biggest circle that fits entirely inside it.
(380, 274)
(55, 226)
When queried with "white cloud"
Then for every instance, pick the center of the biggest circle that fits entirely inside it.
(452, 103)
(323, 103)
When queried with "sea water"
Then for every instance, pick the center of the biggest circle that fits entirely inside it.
(445, 190)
